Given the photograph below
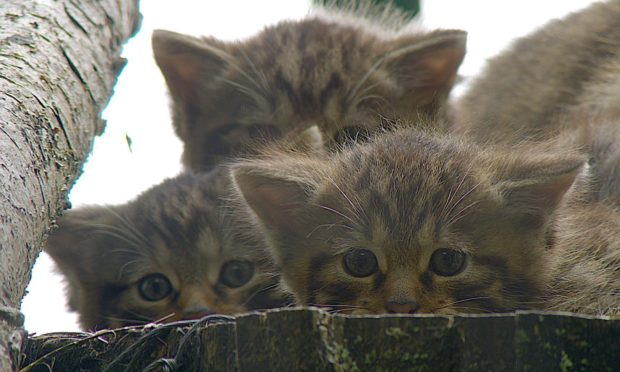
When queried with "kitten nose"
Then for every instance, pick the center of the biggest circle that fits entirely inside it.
(402, 307)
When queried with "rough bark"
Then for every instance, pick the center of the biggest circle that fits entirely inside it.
(58, 63)
(311, 340)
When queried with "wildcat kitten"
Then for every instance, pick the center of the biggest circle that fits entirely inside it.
(180, 250)
(172, 253)
(340, 70)
(413, 222)
(564, 77)
(561, 81)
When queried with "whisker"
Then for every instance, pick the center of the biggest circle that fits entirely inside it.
(453, 192)
(354, 92)
(371, 97)
(233, 63)
(328, 225)
(114, 232)
(336, 212)
(476, 309)
(131, 229)
(336, 305)
(338, 311)
(462, 213)
(356, 209)
(260, 290)
(264, 82)
(336, 308)
(461, 199)
(127, 264)
(140, 316)
(451, 304)
(164, 318)
(127, 321)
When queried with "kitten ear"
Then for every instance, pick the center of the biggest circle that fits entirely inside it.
(77, 252)
(275, 194)
(535, 189)
(427, 66)
(72, 244)
(185, 60)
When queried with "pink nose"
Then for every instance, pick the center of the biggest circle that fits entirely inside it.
(402, 307)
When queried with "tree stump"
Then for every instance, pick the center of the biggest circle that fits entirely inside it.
(314, 340)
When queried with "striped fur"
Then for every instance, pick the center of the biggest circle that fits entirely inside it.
(408, 194)
(185, 229)
(334, 71)
(562, 80)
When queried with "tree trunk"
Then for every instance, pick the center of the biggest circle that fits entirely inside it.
(311, 340)
(58, 63)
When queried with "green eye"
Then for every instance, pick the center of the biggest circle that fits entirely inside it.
(447, 262)
(360, 263)
(236, 273)
(154, 287)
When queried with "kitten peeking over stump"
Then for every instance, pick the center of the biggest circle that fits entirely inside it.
(324, 167)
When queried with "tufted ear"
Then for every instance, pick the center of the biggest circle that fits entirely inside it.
(185, 61)
(427, 66)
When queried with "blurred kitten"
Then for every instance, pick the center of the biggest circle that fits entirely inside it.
(347, 71)
(563, 80)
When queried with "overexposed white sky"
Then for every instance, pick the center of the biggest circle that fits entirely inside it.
(115, 174)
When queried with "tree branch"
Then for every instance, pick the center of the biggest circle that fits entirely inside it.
(58, 64)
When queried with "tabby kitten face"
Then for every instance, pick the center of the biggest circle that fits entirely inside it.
(410, 223)
(175, 252)
(296, 74)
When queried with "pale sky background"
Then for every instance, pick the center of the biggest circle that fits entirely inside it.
(139, 107)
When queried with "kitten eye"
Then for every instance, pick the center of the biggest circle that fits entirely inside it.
(447, 262)
(360, 263)
(236, 273)
(154, 287)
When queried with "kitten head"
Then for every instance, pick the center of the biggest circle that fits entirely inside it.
(410, 222)
(297, 74)
(175, 252)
